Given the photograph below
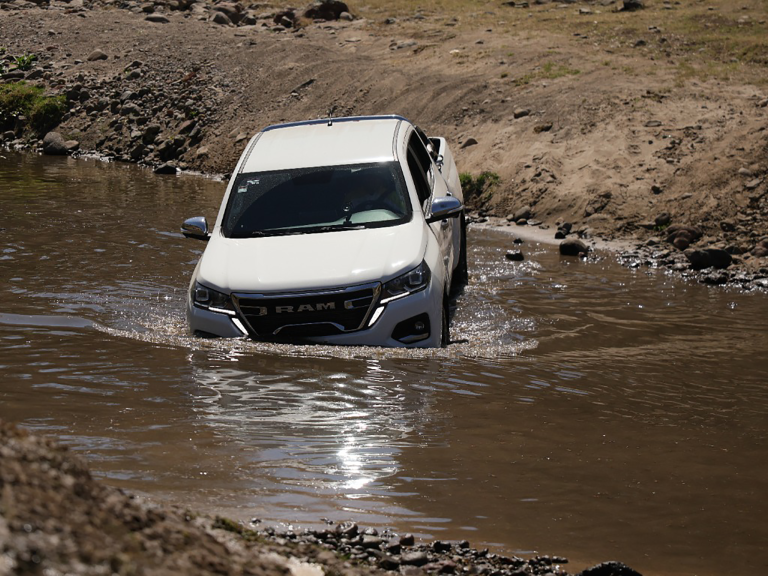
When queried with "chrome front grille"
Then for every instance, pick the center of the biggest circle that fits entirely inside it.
(290, 315)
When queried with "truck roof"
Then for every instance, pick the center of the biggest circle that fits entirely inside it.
(329, 142)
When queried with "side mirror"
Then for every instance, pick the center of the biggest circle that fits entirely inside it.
(445, 207)
(196, 228)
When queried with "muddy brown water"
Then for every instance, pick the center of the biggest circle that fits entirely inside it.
(585, 410)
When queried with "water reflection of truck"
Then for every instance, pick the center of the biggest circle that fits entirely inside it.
(342, 231)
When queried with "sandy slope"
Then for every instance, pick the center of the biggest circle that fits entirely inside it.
(608, 148)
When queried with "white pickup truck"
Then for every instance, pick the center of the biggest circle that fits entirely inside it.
(339, 231)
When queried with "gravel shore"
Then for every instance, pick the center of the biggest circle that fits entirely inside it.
(55, 518)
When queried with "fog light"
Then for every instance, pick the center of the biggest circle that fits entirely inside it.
(412, 330)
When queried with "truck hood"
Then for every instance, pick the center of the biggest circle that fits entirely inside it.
(312, 261)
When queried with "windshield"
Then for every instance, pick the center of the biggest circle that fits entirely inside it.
(323, 199)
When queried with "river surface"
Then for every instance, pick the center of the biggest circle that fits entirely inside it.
(584, 410)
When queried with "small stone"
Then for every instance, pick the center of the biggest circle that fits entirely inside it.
(523, 212)
(166, 169)
(652, 124)
(370, 541)
(560, 234)
(221, 19)
(753, 184)
(521, 112)
(514, 256)
(407, 540)
(414, 559)
(715, 279)
(761, 248)
(389, 563)
(157, 19)
(97, 55)
(348, 529)
(662, 219)
(546, 127)
(469, 142)
(681, 243)
(573, 247)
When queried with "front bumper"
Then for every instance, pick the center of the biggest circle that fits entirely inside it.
(379, 333)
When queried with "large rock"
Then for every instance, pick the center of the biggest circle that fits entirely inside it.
(233, 11)
(523, 213)
(573, 247)
(719, 258)
(55, 145)
(150, 133)
(699, 259)
(633, 5)
(326, 10)
(610, 569)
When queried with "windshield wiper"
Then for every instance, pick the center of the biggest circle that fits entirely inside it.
(263, 233)
(296, 231)
(337, 227)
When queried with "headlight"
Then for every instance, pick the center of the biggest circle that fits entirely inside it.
(204, 297)
(410, 282)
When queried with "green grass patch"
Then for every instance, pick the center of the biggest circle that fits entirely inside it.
(25, 62)
(42, 112)
(477, 189)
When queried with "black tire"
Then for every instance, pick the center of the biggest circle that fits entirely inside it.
(460, 274)
(445, 329)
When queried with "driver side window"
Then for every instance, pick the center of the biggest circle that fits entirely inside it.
(420, 168)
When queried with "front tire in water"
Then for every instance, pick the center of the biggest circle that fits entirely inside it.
(460, 274)
(445, 332)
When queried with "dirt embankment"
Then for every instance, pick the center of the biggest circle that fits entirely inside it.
(618, 123)
(55, 518)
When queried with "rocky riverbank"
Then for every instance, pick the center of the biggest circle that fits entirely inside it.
(55, 518)
(597, 122)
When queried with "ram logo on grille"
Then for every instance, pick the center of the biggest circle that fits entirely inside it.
(263, 310)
